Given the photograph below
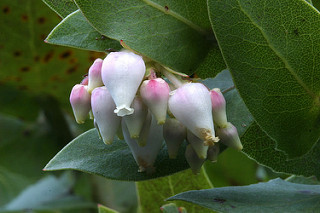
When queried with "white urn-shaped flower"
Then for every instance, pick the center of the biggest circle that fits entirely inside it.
(174, 133)
(80, 102)
(105, 119)
(122, 73)
(229, 136)
(191, 105)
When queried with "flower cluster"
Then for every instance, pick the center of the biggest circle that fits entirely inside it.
(126, 98)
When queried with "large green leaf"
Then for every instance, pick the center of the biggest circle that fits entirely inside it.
(272, 49)
(172, 38)
(262, 148)
(48, 193)
(75, 31)
(30, 67)
(274, 196)
(153, 193)
(88, 153)
(62, 7)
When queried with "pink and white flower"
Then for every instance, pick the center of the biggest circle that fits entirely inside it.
(94, 75)
(80, 102)
(218, 107)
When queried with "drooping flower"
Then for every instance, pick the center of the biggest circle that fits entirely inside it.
(229, 136)
(136, 120)
(145, 156)
(218, 107)
(155, 94)
(80, 102)
(94, 75)
(191, 105)
(102, 109)
(174, 133)
(122, 73)
(144, 133)
(197, 145)
(193, 160)
(213, 152)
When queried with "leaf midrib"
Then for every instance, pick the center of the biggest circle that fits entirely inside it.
(286, 63)
(177, 16)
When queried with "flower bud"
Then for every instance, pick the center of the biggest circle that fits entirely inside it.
(145, 156)
(191, 105)
(80, 102)
(135, 121)
(213, 152)
(218, 107)
(122, 74)
(197, 145)
(155, 94)
(193, 160)
(174, 133)
(94, 75)
(229, 136)
(85, 81)
(102, 109)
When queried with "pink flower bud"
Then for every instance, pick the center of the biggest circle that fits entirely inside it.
(218, 107)
(213, 152)
(193, 160)
(145, 156)
(197, 145)
(80, 102)
(174, 134)
(85, 81)
(94, 75)
(229, 136)
(191, 105)
(102, 109)
(155, 94)
(122, 73)
(135, 121)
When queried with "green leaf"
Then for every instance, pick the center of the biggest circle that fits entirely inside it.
(303, 180)
(48, 193)
(75, 31)
(109, 160)
(61, 7)
(152, 29)
(211, 65)
(172, 208)
(274, 196)
(259, 146)
(29, 67)
(152, 193)
(104, 209)
(275, 66)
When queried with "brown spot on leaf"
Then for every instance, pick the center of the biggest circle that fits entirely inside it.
(166, 8)
(24, 18)
(72, 69)
(1, 46)
(73, 60)
(55, 78)
(18, 78)
(6, 9)
(41, 20)
(25, 69)
(219, 200)
(17, 53)
(36, 58)
(23, 87)
(48, 56)
(65, 54)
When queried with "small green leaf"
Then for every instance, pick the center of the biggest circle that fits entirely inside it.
(104, 209)
(89, 154)
(61, 7)
(274, 196)
(152, 193)
(151, 29)
(275, 66)
(171, 208)
(75, 31)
